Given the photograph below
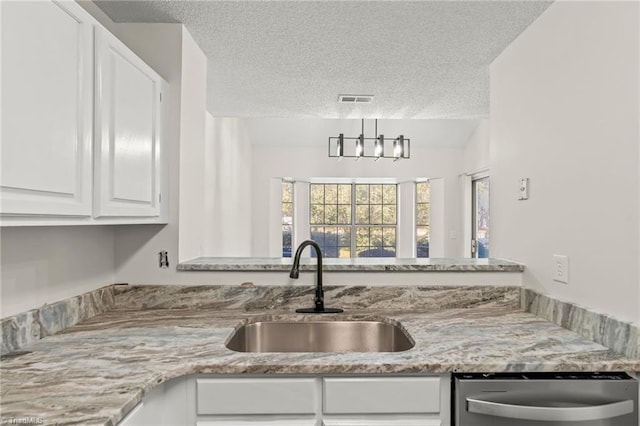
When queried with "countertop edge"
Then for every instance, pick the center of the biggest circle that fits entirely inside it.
(395, 265)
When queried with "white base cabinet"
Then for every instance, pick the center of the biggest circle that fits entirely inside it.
(165, 405)
(299, 400)
(82, 115)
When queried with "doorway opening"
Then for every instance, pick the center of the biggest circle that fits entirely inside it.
(480, 217)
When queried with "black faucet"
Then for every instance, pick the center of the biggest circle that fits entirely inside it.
(319, 299)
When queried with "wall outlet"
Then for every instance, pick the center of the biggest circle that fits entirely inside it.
(523, 189)
(561, 268)
(163, 259)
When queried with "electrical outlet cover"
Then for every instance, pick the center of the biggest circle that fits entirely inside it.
(561, 268)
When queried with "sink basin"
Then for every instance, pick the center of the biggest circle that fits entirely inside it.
(320, 336)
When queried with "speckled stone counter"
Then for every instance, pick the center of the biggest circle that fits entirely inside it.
(354, 265)
(98, 370)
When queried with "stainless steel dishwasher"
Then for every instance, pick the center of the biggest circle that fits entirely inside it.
(544, 399)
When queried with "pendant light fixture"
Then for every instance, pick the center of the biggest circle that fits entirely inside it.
(374, 147)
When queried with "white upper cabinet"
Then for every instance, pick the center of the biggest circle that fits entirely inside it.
(127, 136)
(81, 121)
(47, 114)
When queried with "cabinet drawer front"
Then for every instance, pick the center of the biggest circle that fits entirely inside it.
(256, 396)
(259, 422)
(386, 422)
(382, 395)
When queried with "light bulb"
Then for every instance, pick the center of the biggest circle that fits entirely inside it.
(379, 151)
(398, 147)
(360, 146)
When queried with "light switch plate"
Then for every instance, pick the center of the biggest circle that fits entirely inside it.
(561, 268)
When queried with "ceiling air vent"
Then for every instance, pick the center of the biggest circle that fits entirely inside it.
(355, 99)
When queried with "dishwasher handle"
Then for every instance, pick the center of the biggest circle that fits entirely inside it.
(550, 414)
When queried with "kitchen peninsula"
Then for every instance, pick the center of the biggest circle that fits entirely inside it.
(96, 371)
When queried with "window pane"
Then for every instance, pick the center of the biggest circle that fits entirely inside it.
(423, 192)
(287, 211)
(286, 240)
(287, 217)
(422, 214)
(362, 215)
(389, 237)
(287, 192)
(344, 194)
(389, 194)
(331, 238)
(286, 235)
(376, 236)
(362, 194)
(375, 194)
(331, 194)
(362, 236)
(317, 234)
(422, 218)
(389, 214)
(422, 239)
(344, 237)
(376, 214)
(344, 214)
(317, 193)
(362, 251)
(389, 252)
(331, 214)
(345, 252)
(316, 215)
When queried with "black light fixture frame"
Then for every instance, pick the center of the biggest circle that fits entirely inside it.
(336, 146)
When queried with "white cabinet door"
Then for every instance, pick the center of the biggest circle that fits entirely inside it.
(127, 136)
(47, 99)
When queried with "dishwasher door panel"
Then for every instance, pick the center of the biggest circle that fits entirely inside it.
(546, 403)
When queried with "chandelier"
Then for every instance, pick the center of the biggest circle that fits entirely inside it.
(376, 147)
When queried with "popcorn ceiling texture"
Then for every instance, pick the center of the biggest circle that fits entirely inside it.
(424, 59)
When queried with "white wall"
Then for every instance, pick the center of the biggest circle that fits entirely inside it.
(476, 152)
(564, 113)
(227, 191)
(304, 162)
(192, 147)
(44, 264)
(475, 160)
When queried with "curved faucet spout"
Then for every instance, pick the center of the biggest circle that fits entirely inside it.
(295, 272)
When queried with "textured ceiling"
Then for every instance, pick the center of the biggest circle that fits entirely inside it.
(421, 59)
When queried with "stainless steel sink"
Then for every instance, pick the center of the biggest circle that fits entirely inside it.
(320, 336)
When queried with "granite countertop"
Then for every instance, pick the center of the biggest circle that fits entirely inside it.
(95, 372)
(356, 265)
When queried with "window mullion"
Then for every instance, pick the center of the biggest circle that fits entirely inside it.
(352, 226)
